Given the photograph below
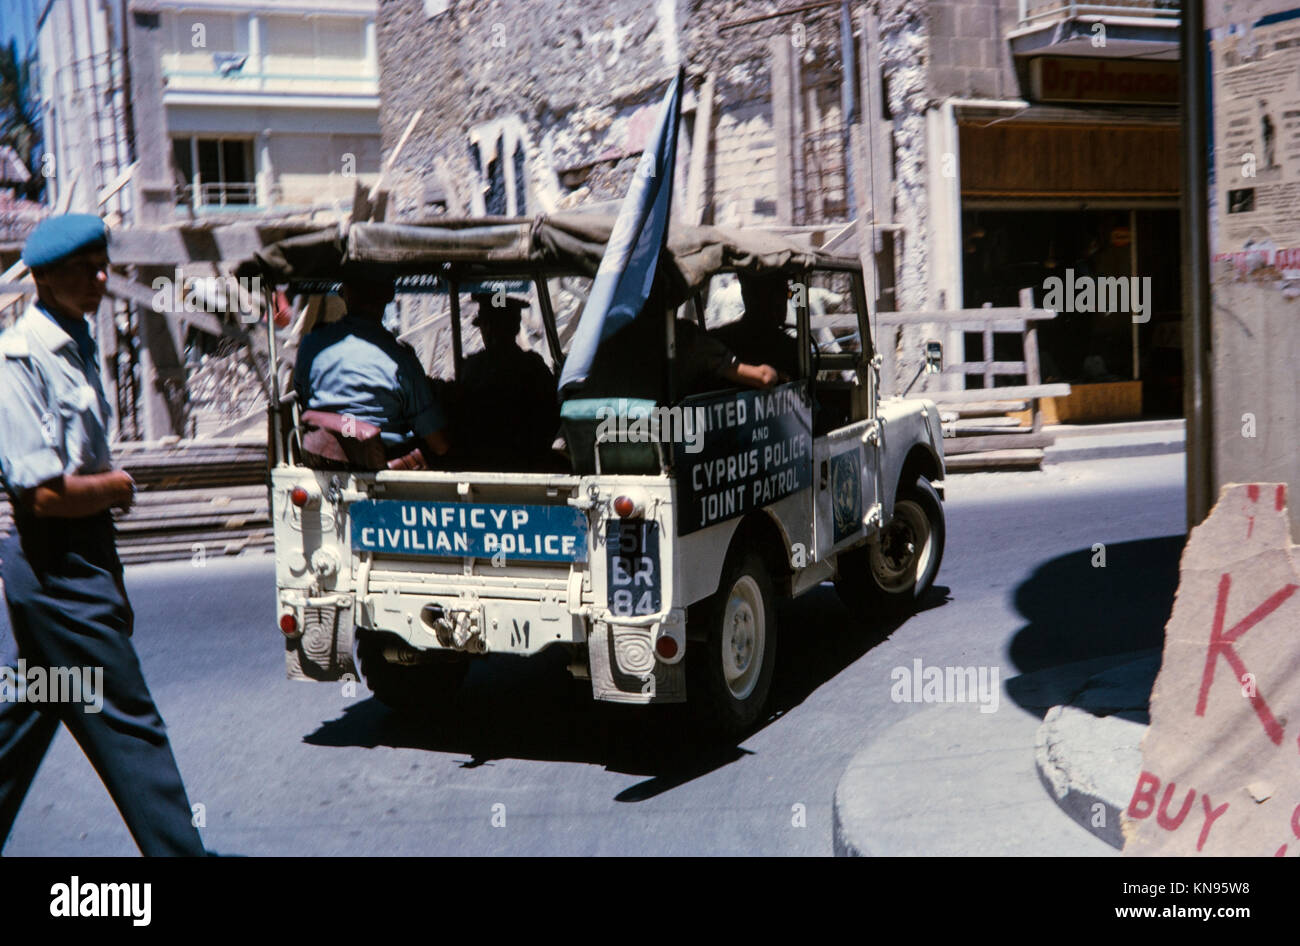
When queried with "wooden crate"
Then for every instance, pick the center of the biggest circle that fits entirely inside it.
(1110, 400)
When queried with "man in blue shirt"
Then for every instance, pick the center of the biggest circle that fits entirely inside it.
(357, 368)
(68, 610)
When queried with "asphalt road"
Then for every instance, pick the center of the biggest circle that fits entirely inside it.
(524, 766)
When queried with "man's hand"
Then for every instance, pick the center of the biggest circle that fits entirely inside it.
(754, 376)
(127, 501)
(438, 443)
(75, 496)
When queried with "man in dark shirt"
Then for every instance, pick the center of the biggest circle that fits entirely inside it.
(758, 336)
(509, 412)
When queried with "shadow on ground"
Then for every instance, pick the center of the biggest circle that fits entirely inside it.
(1084, 619)
(513, 708)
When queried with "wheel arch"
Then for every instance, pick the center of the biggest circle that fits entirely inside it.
(759, 531)
(920, 461)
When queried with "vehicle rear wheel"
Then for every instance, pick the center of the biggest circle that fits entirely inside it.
(893, 571)
(730, 674)
(431, 683)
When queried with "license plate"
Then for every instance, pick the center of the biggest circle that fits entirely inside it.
(500, 532)
(633, 559)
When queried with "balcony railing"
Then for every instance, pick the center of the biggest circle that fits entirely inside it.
(1038, 11)
(240, 194)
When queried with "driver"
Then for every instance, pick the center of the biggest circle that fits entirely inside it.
(757, 336)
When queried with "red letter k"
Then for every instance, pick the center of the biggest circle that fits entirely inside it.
(1221, 643)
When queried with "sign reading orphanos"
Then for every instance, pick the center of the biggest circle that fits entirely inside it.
(1221, 761)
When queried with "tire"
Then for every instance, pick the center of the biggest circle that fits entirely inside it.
(891, 573)
(729, 674)
(431, 684)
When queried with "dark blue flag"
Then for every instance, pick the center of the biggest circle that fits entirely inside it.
(627, 269)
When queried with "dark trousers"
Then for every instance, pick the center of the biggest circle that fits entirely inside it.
(68, 609)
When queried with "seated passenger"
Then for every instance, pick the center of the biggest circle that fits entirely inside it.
(509, 412)
(758, 336)
(357, 368)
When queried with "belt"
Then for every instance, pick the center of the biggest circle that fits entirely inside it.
(93, 538)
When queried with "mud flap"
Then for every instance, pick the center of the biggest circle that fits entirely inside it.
(323, 652)
(624, 668)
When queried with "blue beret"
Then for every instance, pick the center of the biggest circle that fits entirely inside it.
(57, 238)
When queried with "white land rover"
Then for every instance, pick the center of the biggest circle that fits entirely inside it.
(655, 551)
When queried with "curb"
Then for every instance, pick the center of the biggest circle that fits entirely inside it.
(1088, 752)
(948, 780)
(1114, 448)
(1077, 787)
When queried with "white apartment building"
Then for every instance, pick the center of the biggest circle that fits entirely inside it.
(270, 106)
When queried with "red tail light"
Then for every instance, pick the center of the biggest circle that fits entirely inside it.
(288, 624)
(666, 648)
(625, 506)
(299, 496)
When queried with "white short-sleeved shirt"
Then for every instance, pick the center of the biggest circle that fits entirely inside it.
(53, 412)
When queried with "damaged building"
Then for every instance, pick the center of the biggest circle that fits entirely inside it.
(965, 150)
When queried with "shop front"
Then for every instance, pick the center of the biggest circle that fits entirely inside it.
(1080, 205)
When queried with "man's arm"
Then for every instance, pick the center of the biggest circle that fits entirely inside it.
(74, 496)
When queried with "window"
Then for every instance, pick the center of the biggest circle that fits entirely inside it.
(215, 172)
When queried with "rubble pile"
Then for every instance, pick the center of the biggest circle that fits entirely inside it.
(224, 386)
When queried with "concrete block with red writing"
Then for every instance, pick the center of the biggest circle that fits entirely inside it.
(1221, 761)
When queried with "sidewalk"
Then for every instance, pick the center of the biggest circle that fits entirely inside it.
(952, 781)
(1139, 438)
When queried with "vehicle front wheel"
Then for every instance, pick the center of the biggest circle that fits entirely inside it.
(891, 573)
(431, 683)
(729, 674)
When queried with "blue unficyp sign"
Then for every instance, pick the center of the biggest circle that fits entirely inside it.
(469, 530)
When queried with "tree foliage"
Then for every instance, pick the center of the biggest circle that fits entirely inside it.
(20, 126)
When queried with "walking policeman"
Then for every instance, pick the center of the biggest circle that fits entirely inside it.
(62, 576)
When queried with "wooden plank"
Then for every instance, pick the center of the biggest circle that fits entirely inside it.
(783, 124)
(397, 151)
(1013, 315)
(1029, 439)
(990, 408)
(1013, 392)
(117, 183)
(991, 424)
(701, 146)
(985, 368)
(994, 460)
(170, 246)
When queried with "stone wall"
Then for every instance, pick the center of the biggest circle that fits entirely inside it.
(969, 49)
(569, 96)
(550, 89)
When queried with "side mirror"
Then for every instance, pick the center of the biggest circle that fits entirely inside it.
(933, 357)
